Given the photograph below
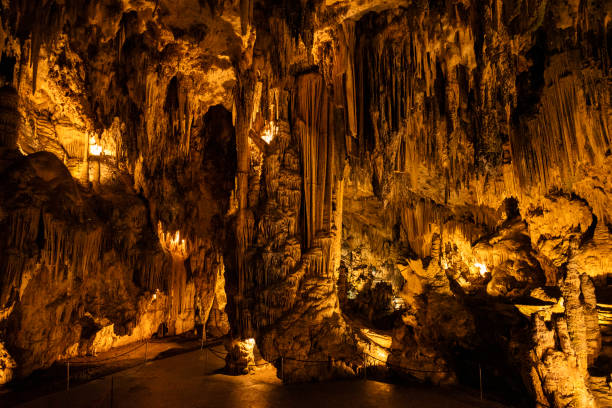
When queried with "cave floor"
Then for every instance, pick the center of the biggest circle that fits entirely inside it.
(86, 368)
(193, 379)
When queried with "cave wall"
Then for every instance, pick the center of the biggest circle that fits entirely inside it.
(439, 169)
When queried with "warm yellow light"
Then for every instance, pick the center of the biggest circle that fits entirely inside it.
(398, 303)
(94, 148)
(177, 239)
(482, 268)
(172, 242)
(269, 132)
(248, 345)
(267, 137)
(379, 356)
(382, 354)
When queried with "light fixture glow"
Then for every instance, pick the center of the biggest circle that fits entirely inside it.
(172, 242)
(482, 268)
(398, 303)
(267, 137)
(268, 133)
(248, 345)
(94, 148)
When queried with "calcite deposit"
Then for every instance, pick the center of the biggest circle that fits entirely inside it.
(417, 188)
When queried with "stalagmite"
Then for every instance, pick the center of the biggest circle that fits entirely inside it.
(373, 189)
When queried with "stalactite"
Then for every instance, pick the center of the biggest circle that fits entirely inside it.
(413, 92)
(180, 113)
(77, 248)
(42, 21)
(246, 15)
(572, 127)
(176, 284)
(70, 251)
(150, 269)
(312, 109)
(419, 220)
(14, 266)
(24, 226)
(245, 222)
(275, 300)
(348, 31)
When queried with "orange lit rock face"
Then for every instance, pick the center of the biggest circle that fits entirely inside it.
(439, 172)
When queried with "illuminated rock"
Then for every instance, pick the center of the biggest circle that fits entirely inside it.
(240, 358)
(307, 173)
(7, 365)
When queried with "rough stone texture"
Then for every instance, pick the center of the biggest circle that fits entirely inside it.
(557, 372)
(240, 358)
(281, 170)
(74, 290)
(7, 365)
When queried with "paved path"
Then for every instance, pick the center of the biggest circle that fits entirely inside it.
(85, 369)
(192, 380)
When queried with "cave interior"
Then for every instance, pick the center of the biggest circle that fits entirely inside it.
(418, 191)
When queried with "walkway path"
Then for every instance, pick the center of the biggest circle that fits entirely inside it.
(193, 379)
(84, 369)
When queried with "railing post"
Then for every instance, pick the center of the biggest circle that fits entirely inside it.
(282, 369)
(480, 375)
(146, 349)
(365, 366)
(68, 376)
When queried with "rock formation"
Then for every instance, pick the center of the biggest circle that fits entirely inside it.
(418, 185)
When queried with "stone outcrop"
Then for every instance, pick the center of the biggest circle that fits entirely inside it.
(556, 373)
(288, 174)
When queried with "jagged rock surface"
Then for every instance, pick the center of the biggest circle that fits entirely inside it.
(276, 170)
